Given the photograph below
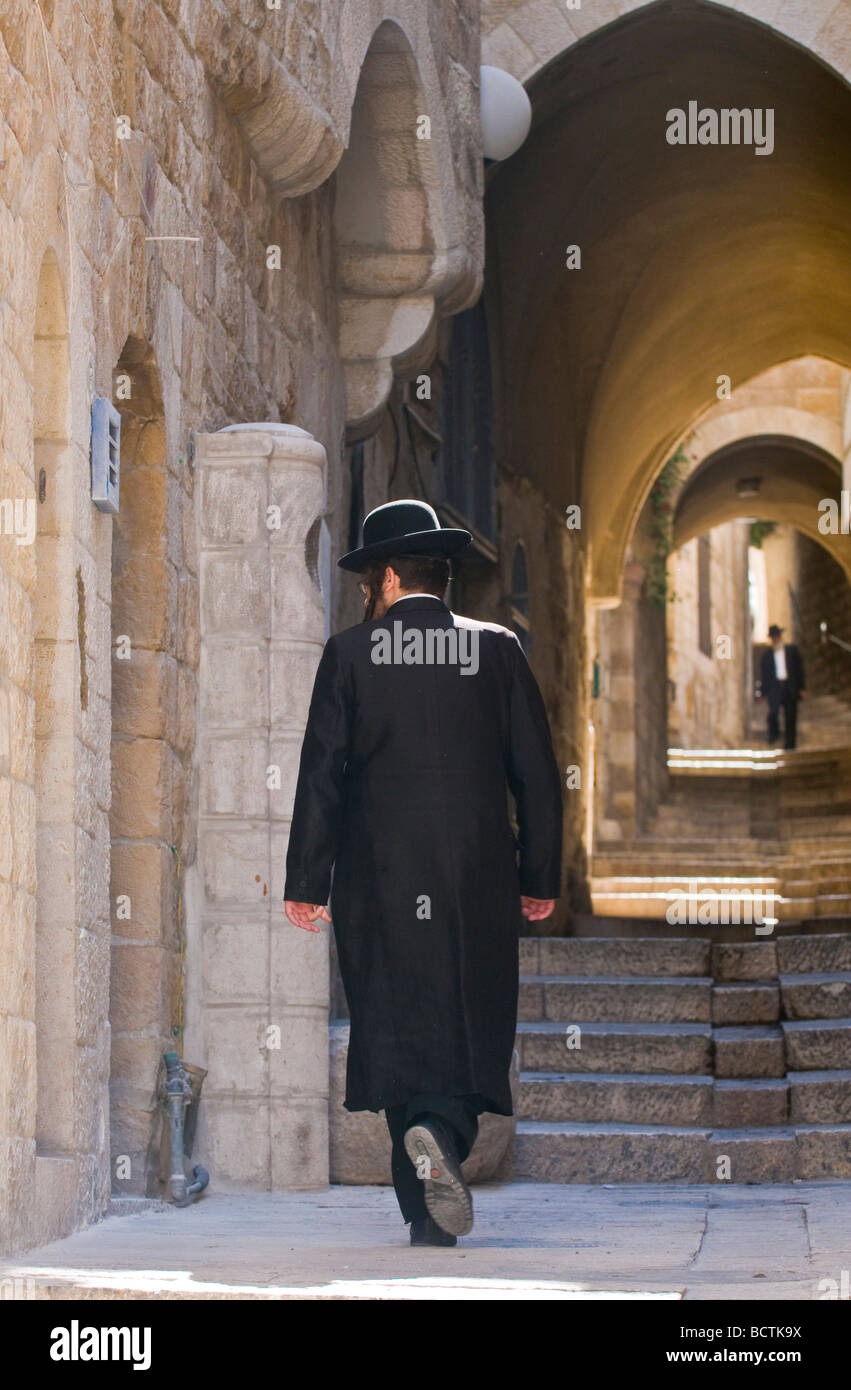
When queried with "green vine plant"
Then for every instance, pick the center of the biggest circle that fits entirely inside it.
(656, 584)
(759, 530)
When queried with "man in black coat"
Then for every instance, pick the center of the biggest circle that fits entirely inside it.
(782, 685)
(419, 722)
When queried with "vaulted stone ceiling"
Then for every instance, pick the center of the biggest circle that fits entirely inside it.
(697, 261)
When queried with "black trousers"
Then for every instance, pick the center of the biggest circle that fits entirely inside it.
(789, 704)
(459, 1113)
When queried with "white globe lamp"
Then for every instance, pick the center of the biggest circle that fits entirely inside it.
(506, 113)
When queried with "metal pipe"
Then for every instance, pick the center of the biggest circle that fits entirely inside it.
(178, 1095)
(201, 1178)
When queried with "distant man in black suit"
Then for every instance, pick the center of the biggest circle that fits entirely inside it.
(782, 682)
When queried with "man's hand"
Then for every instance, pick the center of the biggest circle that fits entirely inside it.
(534, 909)
(304, 915)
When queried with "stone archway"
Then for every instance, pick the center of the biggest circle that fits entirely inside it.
(60, 689)
(521, 37)
(60, 825)
(697, 263)
(789, 481)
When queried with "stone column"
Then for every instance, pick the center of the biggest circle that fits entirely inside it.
(257, 987)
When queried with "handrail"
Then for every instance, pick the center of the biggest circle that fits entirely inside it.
(831, 637)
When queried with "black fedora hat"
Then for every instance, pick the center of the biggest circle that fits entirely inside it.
(407, 527)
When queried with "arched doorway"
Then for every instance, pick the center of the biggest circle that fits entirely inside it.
(151, 687)
(60, 691)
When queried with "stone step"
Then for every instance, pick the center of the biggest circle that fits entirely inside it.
(750, 1102)
(824, 874)
(827, 904)
(744, 960)
(615, 1097)
(816, 996)
(627, 1153)
(672, 882)
(818, 879)
(735, 771)
(682, 906)
(703, 848)
(809, 954)
(594, 1153)
(821, 887)
(757, 851)
(752, 1155)
(818, 1044)
(630, 1098)
(805, 827)
(597, 999)
(669, 864)
(820, 1097)
(824, 1152)
(597, 926)
(586, 956)
(689, 858)
(747, 1052)
(704, 817)
(751, 1001)
(678, 1048)
(696, 827)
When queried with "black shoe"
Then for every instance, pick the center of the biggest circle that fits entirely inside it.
(427, 1232)
(447, 1196)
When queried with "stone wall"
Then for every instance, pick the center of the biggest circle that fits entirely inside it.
(652, 733)
(707, 704)
(631, 686)
(558, 656)
(167, 239)
(823, 595)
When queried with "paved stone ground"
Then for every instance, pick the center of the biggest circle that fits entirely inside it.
(530, 1241)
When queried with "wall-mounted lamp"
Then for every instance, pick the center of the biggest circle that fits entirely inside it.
(506, 113)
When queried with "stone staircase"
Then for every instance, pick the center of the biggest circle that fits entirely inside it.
(683, 1059)
(695, 1028)
(737, 825)
(824, 721)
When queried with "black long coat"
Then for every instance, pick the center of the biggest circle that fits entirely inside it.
(402, 788)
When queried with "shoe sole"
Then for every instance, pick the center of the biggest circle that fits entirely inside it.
(447, 1196)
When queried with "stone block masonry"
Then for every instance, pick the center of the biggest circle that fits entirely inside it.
(151, 155)
(257, 987)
